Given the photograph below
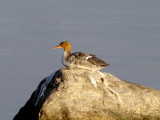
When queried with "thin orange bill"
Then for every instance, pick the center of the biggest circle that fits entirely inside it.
(56, 47)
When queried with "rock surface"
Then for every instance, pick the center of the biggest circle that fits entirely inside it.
(77, 94)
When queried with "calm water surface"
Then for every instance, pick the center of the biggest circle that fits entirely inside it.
(124, 33)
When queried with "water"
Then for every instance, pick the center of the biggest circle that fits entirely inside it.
(124, 33)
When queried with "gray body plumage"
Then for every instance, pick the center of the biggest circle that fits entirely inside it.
(83, 60)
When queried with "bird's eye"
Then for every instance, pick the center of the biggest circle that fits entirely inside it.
(61, 43)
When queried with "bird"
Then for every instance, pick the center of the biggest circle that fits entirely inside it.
(80, 59)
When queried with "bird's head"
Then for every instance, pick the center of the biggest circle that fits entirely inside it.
(65, 44)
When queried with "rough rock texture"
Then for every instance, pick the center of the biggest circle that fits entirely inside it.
(77, 94)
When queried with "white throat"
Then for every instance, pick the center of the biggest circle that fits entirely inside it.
(64, 58)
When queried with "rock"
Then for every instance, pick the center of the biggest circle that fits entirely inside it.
(77, 94)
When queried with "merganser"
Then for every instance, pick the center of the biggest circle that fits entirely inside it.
(80, 59)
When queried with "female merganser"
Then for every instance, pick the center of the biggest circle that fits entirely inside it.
(79, 59)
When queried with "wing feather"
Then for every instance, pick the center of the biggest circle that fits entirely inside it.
(96, 61)
(79, 56)
(87, 57)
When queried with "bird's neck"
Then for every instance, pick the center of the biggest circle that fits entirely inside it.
(67, 51)
(64, 58)
(66, 54)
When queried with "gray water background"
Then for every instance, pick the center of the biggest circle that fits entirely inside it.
(124, 33)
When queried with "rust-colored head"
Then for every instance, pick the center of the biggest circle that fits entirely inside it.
(65, 44)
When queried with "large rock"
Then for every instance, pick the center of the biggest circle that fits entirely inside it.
(77, 94)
